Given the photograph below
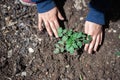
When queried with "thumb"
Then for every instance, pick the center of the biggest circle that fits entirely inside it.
(60, 16)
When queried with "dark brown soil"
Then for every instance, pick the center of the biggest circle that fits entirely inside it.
(27, 54)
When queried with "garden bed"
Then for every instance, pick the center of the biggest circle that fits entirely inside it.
(27, 54)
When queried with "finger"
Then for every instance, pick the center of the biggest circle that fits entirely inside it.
(101, 39)
(97, 42)
(86, 27)
(86, 31)
(56, 24)
(92, 45)
(48, 28)
(86, 47)
(40, 23)
(60, 16)
(54, 29)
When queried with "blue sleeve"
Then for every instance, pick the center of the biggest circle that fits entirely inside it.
(44, 5)
(96, 11)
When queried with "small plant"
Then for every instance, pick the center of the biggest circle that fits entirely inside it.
(119, 37)
(70, 40)
(118, 53)
(81, 78)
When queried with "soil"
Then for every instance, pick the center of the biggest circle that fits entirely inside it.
(27, 54)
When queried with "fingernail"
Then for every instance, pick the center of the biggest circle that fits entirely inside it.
(40, 29)
(57, 36)
(89, 52)
(51, 38)
(95, 50)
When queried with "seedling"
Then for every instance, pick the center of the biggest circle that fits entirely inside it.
(119, 37)
(118, 53)
(70, 40)
(81, 78)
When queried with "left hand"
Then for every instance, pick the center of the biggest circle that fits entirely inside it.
(95, 30)
(50, 19)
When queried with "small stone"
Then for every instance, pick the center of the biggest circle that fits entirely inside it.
(67, 66)
(107, 62)
(2, 59)
(3, 28)
(114, 31)
(31, 50)
(39, 39)
(8, 7)
(23, 74)
(81, 18)
(4, 6)
(110, 30)
(46, 73)
(9, 53)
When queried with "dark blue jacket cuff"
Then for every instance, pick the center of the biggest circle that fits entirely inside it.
(45, 5)
(95, 16)
(96, 12)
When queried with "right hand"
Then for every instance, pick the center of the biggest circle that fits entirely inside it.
(50, 19)
(95, 30)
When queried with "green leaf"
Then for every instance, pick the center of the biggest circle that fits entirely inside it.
(62, 49)
(64, 38)
(61, 42)
(57, 46)
(81, 78)
(74, 45)
(67, 46)
(79, 44)
(69, 32)
(74, 36)
(60, 30)
(56, 51)
(60, 35)
(89, 38)
(86, 41)
(64, 31)
(69, 41)
(83, 35)
(79, 35)
(118, 53)
(71, 50)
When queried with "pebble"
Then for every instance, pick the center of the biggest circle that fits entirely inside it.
(23, 74)
(2, 59)
(67, 66)
(30, 50)
(109, 31)
(114, 31)
(81, 18)
(10, 53)
(8, 7)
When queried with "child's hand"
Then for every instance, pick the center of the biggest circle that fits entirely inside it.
(95, 30)
(50, 20)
